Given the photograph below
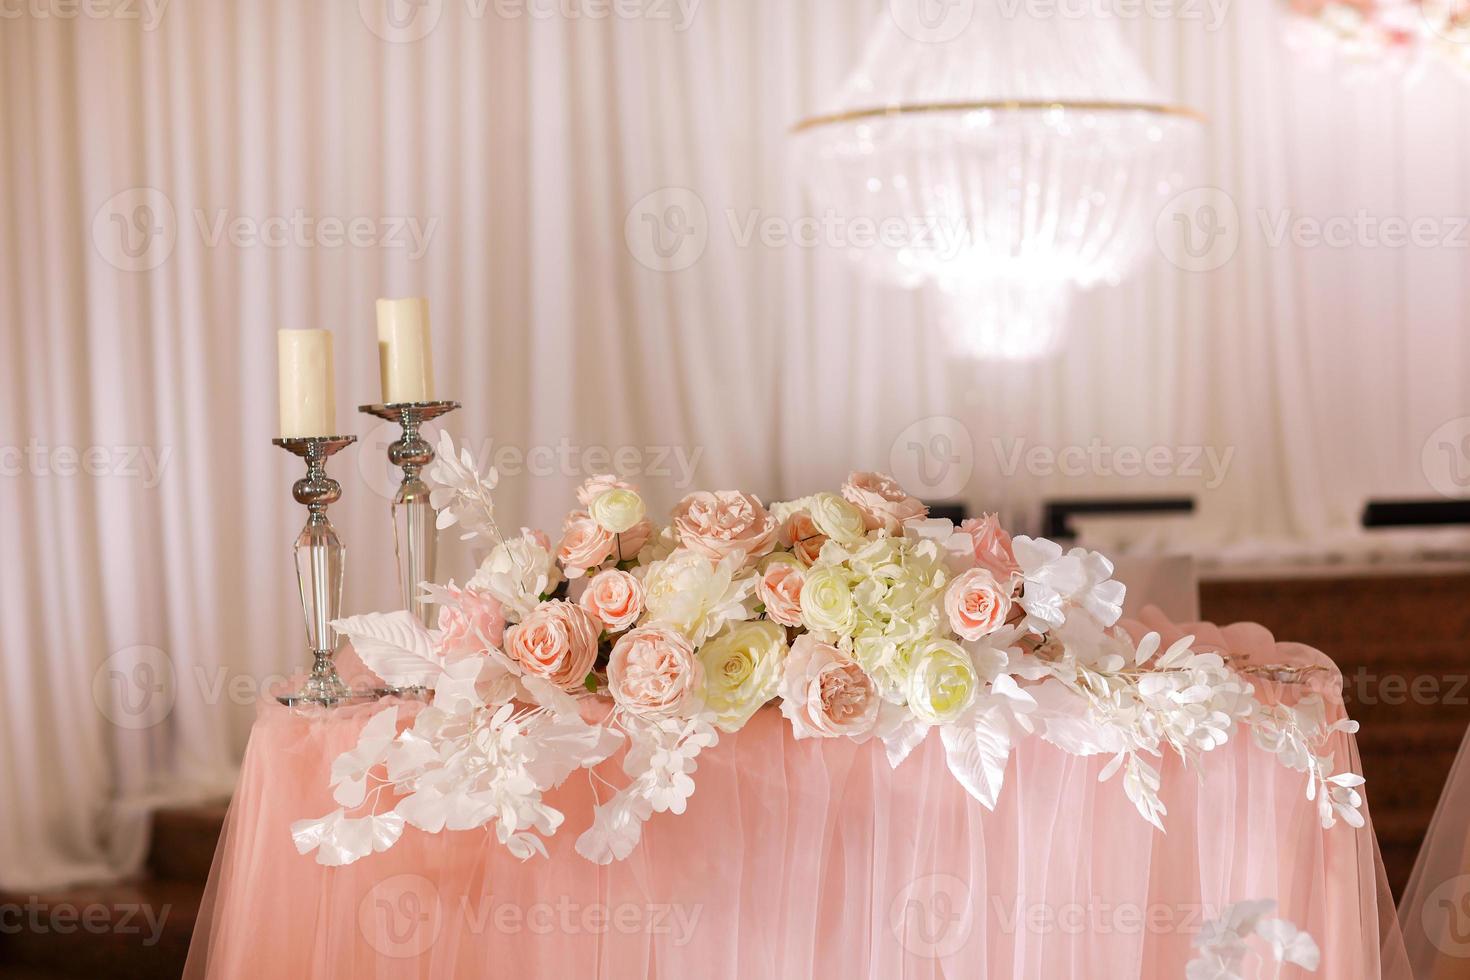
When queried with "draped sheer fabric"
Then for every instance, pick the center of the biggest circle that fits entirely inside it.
(811, 858)
(528, 142)
(1435, 908)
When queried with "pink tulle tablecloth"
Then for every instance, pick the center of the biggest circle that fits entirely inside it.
(806, 859)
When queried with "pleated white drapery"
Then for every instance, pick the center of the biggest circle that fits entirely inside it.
(172, 191)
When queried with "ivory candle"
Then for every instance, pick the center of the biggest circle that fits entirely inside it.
(308, 392)
(405, 358)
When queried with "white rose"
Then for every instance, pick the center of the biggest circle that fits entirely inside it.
(826, 600)
(837, 518)
(742, 670)
(617, 510)
(943, 683)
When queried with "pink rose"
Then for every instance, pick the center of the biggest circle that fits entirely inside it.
(992, 546)
(825, 693)
(719, 524)
(615, 598)
(883, 502)
(557, 641)
(780, 589)
(653, 672)
(599, 484)
(976, 604)
(470, 620)
(584, 544)
(805, 538)
(627, 545)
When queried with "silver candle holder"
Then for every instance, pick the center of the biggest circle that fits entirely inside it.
(415, 536)
(320, 562)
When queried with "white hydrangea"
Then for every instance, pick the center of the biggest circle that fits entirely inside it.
(898, 603)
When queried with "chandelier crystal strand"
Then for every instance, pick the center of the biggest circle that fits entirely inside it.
(1023, 159)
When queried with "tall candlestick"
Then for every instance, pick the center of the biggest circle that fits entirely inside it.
(405, 358)
(320, 563)
(415, 534)
(308, 392)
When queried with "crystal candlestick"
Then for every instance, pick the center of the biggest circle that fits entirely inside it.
(320, 560)
(415, 537)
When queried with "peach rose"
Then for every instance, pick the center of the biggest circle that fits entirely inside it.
(976, 604)
(825, 693)
(557, 641)
(471, 620)
(883, 502)
(615, 598)
(627, 545)
(780, 589)
(992, 546)
(653, 672)
(597, 485)
(719, 524)
(584, 544)
(805, 537)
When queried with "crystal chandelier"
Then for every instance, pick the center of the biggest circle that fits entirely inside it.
(1005, 166)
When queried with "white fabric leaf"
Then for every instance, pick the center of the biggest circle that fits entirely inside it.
(617, 826)
(350, 769)
(339, 839)
(457, 690)
(977, 749)
(1067, 722)
(396, 646)
(1141, 784)
(899, 731)
(548, 695)
(1289, 944)
(1178, 650)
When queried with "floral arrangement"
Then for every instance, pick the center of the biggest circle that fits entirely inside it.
(1398, 35)
(853, 612)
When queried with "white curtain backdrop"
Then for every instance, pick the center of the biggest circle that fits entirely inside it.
(175, 188)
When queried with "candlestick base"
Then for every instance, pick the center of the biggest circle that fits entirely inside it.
(323, 686)
(320, 561)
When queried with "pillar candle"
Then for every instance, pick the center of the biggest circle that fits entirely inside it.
(308, 392)
(405, 359)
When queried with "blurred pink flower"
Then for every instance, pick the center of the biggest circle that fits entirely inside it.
(883, 502)
(992, 547)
